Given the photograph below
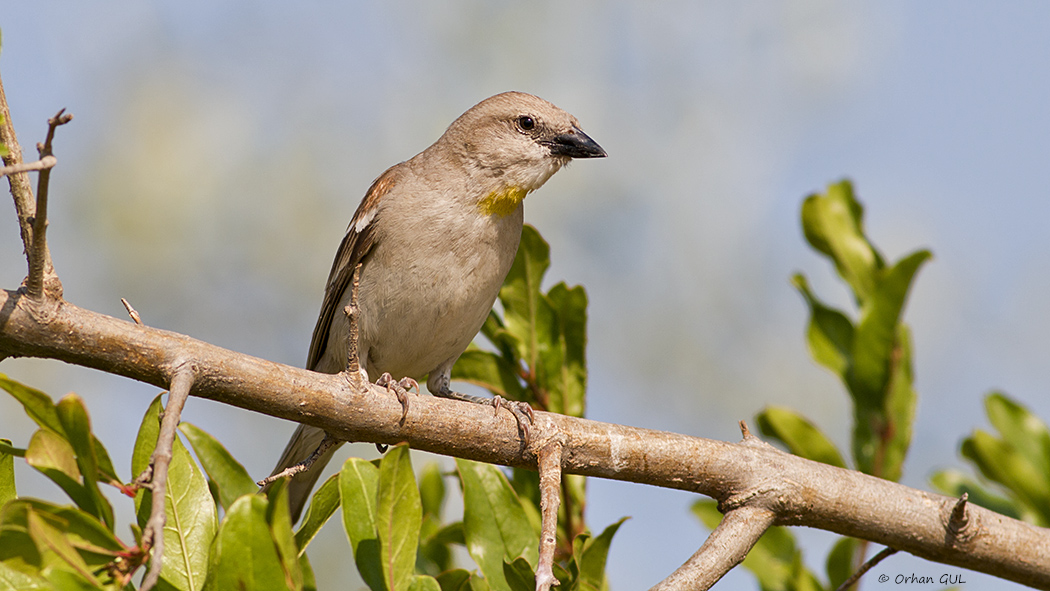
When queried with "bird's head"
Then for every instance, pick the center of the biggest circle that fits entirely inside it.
(517, 140)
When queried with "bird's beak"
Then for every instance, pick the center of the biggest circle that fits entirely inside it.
(575, 144)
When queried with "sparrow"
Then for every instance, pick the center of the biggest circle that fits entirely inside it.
(435, 237)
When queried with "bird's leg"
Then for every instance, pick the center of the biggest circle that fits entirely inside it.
(400, 389)
(521, 410)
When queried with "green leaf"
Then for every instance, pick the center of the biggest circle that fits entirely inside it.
(81, 532)
(145, 441)
(494, 523)
(322, 505)
(8, 491)
(798, 435)
(566, 364)
(245, 555)
(12, 579)
(519, 574)
(595, 553)
(1021, 429)
(435, 554)
(358, 490)
(44, 412)
(490, 371)
(424, 583)
(51, 455)
(496, 332)
(399, 516)
(77, 426)
(56, 552)
(527, 315)
(833, 224)
(881, 353)
(1000, 462)
(454, 579)
(227, 473)
(830, 333)
(81, 529)
(875, 340)
(106, 472)
(900, 409)
(188, 504)
(62, 580)
(309, 582)
(839, 564)
(432, 489)
(279, 518)
(526, 484)
(37, 405)
(461, 580)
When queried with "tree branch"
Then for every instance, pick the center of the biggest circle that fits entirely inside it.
(45, 162)
(41, 272)
(725, 548)
(797, 491)
(549, 466)
(153, 533)
(21, 190)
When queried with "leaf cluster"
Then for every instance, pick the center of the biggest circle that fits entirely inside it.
(1013, 464)
(870, 353)
(221, 534)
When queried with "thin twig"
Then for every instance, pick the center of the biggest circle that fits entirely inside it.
(131, 311)
(325, 445)
(39, 258)
(744, 431)
(549, 465)
(153, 533)
(883, 554)
(43, 163)
(353, 364)
(725, 548)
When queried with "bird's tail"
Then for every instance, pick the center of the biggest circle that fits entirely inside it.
(302, 445)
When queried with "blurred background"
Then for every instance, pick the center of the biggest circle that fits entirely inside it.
(220, 148)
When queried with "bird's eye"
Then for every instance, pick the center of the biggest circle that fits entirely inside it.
(526, 123)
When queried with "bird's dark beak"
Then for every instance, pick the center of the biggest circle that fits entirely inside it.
(575, 144)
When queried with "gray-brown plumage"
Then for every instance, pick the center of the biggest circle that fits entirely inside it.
(435, 236)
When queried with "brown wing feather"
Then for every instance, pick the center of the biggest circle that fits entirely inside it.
(352, 250)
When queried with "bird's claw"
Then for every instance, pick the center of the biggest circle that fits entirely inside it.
(400, 388)
(522, 412)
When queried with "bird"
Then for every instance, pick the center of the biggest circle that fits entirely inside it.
(435, 237)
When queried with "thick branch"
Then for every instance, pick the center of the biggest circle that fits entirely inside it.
(798, 491)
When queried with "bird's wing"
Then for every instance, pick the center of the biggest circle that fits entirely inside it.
(358, 242)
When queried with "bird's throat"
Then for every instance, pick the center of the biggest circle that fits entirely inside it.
(502, 202)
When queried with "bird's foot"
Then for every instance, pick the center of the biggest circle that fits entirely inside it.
(400, 389)
(521, 410)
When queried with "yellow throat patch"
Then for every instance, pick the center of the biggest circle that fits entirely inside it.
(503, 202)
